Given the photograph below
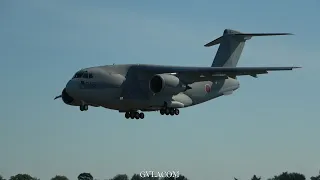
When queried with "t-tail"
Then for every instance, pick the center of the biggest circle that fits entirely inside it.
(231, 45)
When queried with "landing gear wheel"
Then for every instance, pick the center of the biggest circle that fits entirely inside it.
(141, 115)
(132, 115)
(167, 111)
(127, 115)
(136, 115)
(83, 107)
(162, 111)
(172, 111)
(176, 112)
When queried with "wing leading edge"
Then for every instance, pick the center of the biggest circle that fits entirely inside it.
(211, 71)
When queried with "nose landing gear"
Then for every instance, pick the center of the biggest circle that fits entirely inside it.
(84, 108)
(134, 115)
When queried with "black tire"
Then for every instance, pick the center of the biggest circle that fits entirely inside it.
(132, 115)
(167, 111)
(176, 111)
(136, 115)
(127, 115)
(162, 112)
(172, 112)
(141, 115)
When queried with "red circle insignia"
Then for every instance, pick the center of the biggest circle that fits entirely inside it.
(207, 88)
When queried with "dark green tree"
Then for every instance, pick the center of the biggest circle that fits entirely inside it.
(315, 177)
(140, 177)
(181, 177)
(289, 176)
(137, 177)
(168, 178)
(255, 178)
(151, 178)
(23, 177)
(120, 177)
(1, 178)
(85, 176)
(59, 177)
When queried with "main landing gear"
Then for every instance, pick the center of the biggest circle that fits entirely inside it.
(84, 108)
(134, 115)
(169, 111)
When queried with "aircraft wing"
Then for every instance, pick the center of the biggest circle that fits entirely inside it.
(203, 73)
(142, 74)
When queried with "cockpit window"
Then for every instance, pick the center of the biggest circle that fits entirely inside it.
(85, 75)
(78, 75)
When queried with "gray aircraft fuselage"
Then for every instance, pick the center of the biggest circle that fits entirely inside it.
(107, 82)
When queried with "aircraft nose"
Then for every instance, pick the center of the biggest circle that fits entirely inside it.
(71, 87)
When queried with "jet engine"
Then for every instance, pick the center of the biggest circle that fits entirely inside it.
(166, 84)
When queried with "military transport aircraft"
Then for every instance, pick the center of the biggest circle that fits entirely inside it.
(136, 88)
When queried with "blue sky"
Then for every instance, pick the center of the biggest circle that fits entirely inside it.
(270, 125)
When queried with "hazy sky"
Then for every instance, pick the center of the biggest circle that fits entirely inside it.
(270, 125)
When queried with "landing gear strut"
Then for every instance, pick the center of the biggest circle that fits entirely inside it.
(84, 108)
(134, 115)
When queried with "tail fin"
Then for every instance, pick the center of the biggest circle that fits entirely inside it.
(231, 45)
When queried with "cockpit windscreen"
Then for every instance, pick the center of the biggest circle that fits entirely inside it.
(83, 74)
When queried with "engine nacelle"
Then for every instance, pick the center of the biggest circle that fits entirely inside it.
(166, 84)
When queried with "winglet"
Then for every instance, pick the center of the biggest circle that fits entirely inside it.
(243, 36)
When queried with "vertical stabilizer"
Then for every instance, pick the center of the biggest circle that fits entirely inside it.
(231, 45)
(229, 50)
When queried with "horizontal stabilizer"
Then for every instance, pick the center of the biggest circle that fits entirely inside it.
(263, 34)
(241, 36)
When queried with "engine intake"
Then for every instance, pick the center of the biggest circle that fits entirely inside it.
(166, 84)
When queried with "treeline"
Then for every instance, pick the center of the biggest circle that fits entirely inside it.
(88, 176)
